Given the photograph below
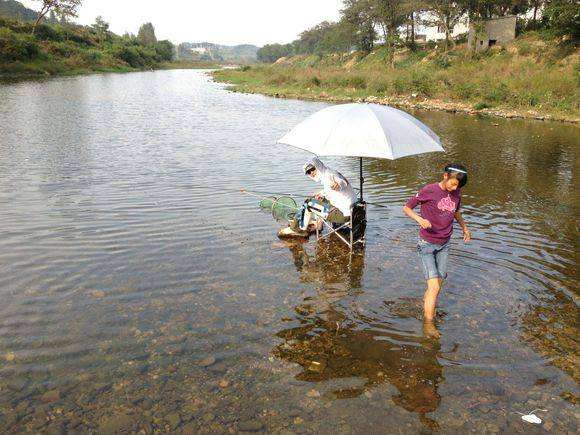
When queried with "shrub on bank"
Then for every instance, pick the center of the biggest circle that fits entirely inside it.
(16, 46)
(60, 48)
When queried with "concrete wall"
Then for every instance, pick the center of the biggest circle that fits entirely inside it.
(500, 30)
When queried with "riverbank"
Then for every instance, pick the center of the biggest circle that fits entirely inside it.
(40, 69)
(537, 80)
(70, 49)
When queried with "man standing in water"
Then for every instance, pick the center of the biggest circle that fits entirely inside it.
(336, 190)
(440, 203)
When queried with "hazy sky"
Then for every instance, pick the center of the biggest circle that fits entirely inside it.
(229, 22)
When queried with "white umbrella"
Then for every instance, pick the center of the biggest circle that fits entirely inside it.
(363, 130)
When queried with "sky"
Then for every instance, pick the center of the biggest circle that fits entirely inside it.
(226, 22)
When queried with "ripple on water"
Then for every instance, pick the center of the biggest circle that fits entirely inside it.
(133, 270)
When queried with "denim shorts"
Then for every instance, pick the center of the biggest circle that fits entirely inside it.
(434, 258)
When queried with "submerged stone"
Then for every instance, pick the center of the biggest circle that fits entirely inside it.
(174, 420)
(252, 425)
(50, 396)
(208, 361)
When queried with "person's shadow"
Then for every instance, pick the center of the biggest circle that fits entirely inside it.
(336, 344)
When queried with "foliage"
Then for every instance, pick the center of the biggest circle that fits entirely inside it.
(146, 34)
(360, 14)
(563, 17)
(16, 46)
(272, 52)
(362, 20)
(63, 9)
(101, 28)
(536, 75)
(447, 14)
(61, 48)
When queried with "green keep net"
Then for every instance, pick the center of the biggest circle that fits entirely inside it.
(283, 208)
(267, 202)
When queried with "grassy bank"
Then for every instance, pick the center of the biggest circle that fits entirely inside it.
(530, 77)
(71, 49)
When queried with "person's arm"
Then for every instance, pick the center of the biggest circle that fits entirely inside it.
(423, 223)
(414, 202)
(336, 183)
(463, 225)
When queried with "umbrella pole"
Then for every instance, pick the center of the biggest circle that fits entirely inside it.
(361, 179)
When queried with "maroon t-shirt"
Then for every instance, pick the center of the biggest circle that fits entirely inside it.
(438, 207)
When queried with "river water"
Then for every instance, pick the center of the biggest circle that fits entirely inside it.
(141, 291)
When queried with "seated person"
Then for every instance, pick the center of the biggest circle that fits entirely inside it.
(336, 191)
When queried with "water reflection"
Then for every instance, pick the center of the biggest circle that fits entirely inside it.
(334, 342)
(130, 271)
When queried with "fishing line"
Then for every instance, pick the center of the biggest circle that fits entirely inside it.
(258, 192)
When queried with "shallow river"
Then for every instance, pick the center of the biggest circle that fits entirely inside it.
(141, 291)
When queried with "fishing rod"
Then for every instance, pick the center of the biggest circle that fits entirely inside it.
(377, 205)
(256, 193)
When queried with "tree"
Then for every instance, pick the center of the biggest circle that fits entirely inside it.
(270, 53)
(102, 28)
(446, 14)
(62, 8)
(392, 14)
(326, 37)
(339, 37)
(165, 50)
(360, 14)
(563, 17)
(146, 34)
(414, 8)
(485, 9)
(536, 5)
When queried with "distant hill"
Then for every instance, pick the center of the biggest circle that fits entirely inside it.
(206, 51)
(17, 11)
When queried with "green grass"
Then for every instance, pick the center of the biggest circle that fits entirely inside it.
(529, 74)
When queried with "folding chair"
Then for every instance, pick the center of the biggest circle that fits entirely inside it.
(350, 230)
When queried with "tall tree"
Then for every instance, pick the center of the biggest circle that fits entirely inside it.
(361, 15)
(536, 5)
(146, 34)
(102, 28)
(415, 8)
(63, 9)
(392, 14)
(446, 14)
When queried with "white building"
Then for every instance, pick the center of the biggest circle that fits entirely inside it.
(429, 32)
(199, 50)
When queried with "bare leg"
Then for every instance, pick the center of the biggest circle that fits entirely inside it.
(430, 299)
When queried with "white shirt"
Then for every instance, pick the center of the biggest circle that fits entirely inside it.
(344, 197)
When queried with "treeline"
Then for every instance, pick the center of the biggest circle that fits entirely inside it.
(364, 22)
(29, 48)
